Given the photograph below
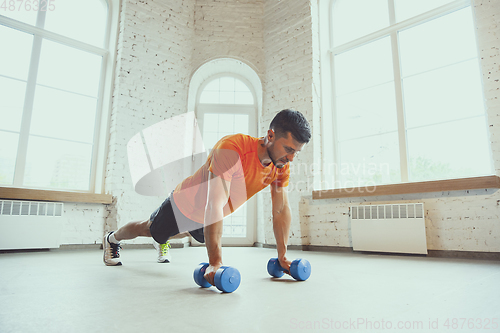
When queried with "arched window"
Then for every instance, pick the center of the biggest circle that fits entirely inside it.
(52, 69)
(226, 90)
(226, 106)
(227, 101)
(407, 98)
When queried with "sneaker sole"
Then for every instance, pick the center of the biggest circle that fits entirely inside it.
(118, 264)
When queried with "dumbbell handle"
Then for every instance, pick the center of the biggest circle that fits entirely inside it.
(300, 269)
(274, 268)
(282, 269)
(226, 279)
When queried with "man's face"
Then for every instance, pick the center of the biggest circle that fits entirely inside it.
(283, 150)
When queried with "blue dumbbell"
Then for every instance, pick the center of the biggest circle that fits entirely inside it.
(226, 279)
(300, 269)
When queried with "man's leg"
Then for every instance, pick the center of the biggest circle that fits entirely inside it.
(111, 241)
(163, 250)
(161, 225)
(133, 230)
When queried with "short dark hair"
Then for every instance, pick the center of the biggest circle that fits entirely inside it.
(292, 121)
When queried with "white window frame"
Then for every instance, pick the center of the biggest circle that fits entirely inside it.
(327, 55)
(251, 111)
(104, 98)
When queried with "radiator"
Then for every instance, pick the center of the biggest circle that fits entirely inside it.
(30, 224)
(397, 228)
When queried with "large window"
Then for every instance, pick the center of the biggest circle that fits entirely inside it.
(52, 65)
(407, 95)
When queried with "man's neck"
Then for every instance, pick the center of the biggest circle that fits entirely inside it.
(262, 152)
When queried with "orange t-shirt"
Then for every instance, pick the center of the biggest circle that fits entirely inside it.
(234, 158)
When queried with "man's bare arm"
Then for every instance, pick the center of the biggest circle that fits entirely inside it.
(217, 198)
(281, 222)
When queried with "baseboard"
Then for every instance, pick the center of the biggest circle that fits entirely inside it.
(307, 247)
(430, 253)
(24, 250)
(464, 254)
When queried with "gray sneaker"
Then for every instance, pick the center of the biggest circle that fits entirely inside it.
(111, 252)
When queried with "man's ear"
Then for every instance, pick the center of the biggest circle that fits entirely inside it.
(271, 136)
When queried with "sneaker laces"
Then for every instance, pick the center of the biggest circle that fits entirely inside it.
(164, 248)
(115, 249)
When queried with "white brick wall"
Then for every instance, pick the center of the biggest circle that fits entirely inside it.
(288, 83)
(153, 70)
(228, 28)
(83, 223)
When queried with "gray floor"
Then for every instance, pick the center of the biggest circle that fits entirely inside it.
(72, 291)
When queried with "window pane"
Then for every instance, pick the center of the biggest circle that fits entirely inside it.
(364, 67)
(16, 53)
(406, 9)
(240, 86)
(210, 130)
(71, 18)
(243, 98)
(366, 112)
(226, 97)
(452, 150)
(209, 97)
(226, 122)
(21, 11)
(8, 153)
(452, 92)
(241, 123)
(11, 104)
(60, 164)
(369, 161)
(215, 126)
(63, 115)
(356, 18)
(226, 90)
(440, 42)
(227, 84)
(235, 224)
(69, 69)
(210, 139)
(211, 122)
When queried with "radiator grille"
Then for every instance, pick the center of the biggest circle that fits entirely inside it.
(391, 211)
(31, 208)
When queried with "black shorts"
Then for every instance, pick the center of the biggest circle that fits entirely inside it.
(164, 223)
